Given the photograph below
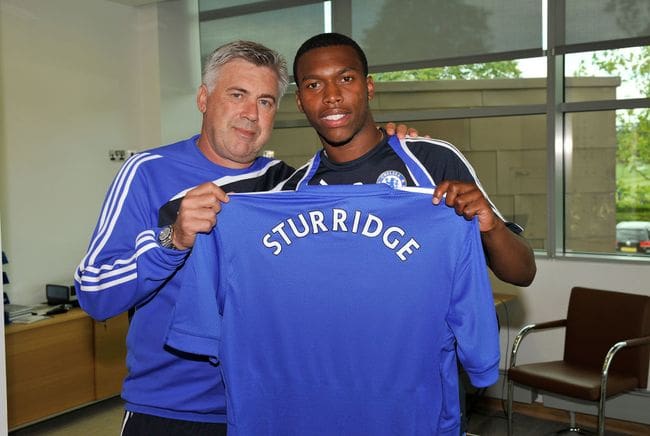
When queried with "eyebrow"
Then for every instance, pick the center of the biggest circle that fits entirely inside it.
(246, 91)
(346, 69)
(272, 97)
(338, 73)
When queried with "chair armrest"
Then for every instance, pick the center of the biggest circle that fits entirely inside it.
(637, 341)
(528, 329)
(548, 324)
(609, 357)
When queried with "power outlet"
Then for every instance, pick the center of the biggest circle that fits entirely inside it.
(120, 155)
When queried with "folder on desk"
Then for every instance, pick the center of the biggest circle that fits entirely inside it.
(16, 310)
(28, 319)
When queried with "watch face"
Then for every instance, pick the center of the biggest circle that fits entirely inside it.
(165, 237)
(165, 233)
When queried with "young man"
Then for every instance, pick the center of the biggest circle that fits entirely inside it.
(333, 91)
(150, 219)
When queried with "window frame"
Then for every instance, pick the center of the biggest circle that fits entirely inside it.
(556, 108)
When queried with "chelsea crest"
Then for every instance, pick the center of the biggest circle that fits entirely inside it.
(392, 178)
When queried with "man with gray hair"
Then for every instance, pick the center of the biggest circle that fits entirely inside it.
(159, 200)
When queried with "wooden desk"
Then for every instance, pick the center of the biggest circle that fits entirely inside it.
(62, 363)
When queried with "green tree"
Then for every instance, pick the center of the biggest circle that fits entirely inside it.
(632, 131)
(627, 64)
(491, 70)
(633, 162)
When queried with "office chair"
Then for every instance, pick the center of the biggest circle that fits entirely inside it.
(600, 325)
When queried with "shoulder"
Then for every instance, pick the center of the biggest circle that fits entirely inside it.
(137, 168)
(291, 182)
(443, 160)
(275, 168)
(262, 175)
(433, 147)
(151, 170)
(176, 149)
(153, 159)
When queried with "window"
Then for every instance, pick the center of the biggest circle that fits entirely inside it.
(606, 152)
(607, 176)
(549, 100)
(278, 27)
(421, 33)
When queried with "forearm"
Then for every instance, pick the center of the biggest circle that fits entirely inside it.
(125, 264)
(509, 256)
(116, 279)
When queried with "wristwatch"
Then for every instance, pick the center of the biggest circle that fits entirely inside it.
(165, 237)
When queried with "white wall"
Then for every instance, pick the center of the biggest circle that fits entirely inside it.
(69, 96)
(77, 78)
(80, 77)
(180, 69)
(169, 72)
(4, 425)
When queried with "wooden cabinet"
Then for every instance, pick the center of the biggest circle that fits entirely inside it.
(62, 363)
(110, 355)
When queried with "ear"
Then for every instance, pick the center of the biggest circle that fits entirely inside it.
(202, 99)
(370, 83)
(298, 102)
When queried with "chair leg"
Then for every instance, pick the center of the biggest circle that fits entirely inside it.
(601, 417)
(511, 389)
(573, 426)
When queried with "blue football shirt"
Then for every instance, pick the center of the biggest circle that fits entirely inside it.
(340, 310)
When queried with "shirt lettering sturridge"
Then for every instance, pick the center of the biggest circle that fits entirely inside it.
(339, 220)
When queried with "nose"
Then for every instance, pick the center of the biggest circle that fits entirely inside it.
(250, 110)
(332, 94)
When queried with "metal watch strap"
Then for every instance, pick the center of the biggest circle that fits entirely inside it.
(165, 237)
